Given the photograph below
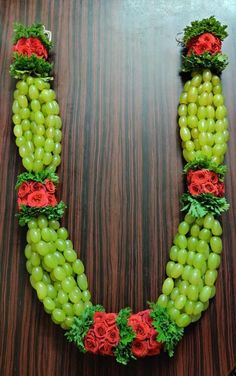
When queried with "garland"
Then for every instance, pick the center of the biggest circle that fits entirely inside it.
(56, 273)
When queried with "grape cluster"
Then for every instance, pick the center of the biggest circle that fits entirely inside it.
(37, 124)
(202, 118)
(192, 269)
(56, 273)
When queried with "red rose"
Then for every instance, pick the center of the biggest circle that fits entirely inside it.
(35, 186)
(50, 186)
(24, 189)
(140, 328)
(213, 177)
(189, 176)
(194, 189)
(145, 315)
(100, 329)
(90, 342)
(205, 42)
(139, 348)
(221, 189)
(209, 188)
(21, 201)
(52, 201)
(200, 176)
(30, 46)
(98, 316)
(105, 348)
(38, 198)
(113, 336)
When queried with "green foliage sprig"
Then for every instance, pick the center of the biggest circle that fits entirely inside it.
(210, 25)
(37, 176)
(30, 65)
(36, 30)
(81, 326)
(215, 62)
(198, 206)
(123, 351)
(26, 213)
(201, 161)
(168, 332)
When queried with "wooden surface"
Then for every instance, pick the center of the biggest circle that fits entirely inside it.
(116, 76)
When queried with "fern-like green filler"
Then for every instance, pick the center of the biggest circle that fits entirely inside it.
(36, 30)
(200, 205)
(168, 332)
(215, 62)
(207, 25)
(37, 176)
(81, 326)
(29, 65)
(201, 161)
(123, 351)
(26, 213)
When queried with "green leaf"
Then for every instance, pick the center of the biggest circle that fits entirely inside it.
(30, 65)
(201, 161)
(36, 30)
(215, 62)
(26, 213)
(37, 176)
(168, 332)
(81, 326)
(200, 205)
(123, 351)
(206, 25)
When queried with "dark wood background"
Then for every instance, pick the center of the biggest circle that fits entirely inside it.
(117, 81)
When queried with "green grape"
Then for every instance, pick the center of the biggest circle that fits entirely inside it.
(192, 94)
(16, 107)
(207, 87)
(67, 284)
(201, 112)
(195, 277)
(183, 320)
(213, 261)
(16, 119)
(183, 98)
(69, 244)
(195, 229)
(62, 233)
(41, 289)
(50, 261)
(211, 125)
(190, 257)
(205, 294)
(83, 282)
(189, 219)
(28, 135)
(16, 94)
(196, 80)
(70, 255)
(192, 293)
(187, 85)
(205, 234)
(49, 145)
(39, 118)
(54, 225)
(57, 148)
(42, 248)
(58, 135)
(202, 246)
(192, 109)
(215, 80)
(24, 113)
(208, 221)
(182, 241)
(169, 268)
(216, 244)
(198, 261)
(162, 301)
(170, 304)
(218, 100)
(206, 75)
(78, 267)
(210, 112)
(35, 259)
(198, 308)
(39, 83)
(59, 273)
(32, 224)
(189, 307)
(192, 243)
(22, 87)
(28, 251)
(29, 80)
(216, 228)
(210, 98)
(58, 315)
(167, 286)
(203, 99)
(183, 228)
(182, 256)
(75, 295)
(37, 273)
(33, 282)
(173, 313)
(174, 293)
(47, 95)
(180, 301)
(182, 121)
(195, 318)
(202, 125)
(33, 92)
(177, 271)
(186, 272)
(47, 158)
(50, 132)
(29, 266)
(60, 244)
(183, 287)
(39, 140)
(182, 110)
(210, 277)
(185, 134)
(56, 160)
(62, 297)
(49, 304)
(189, 145)
(203, 138)
(35, 105)
(46, 279)
(23, 101)
(17, 130)
(78, 308)
(35, 235)
(192, 120)
(51, 291)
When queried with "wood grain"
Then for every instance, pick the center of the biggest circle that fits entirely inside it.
(116, 76)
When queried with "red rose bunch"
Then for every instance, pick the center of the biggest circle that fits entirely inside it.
(145, 343)
(204, 181)
(205, 42)
(35, 194)
(103, 335)
(30, 46)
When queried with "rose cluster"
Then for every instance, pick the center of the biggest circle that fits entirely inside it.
(145, 343)
(35, 194)
(205, 42)
(103, 336)
(204, 181)
(30, 46)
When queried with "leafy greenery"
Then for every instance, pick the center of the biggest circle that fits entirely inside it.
(201, 161)
(168, 332)
(199, 206)
(37, 176)
(215, 62)
(36, 30)
(26, 213)
(81, 326)
(123, 350)
(210, 25)
(33, 65)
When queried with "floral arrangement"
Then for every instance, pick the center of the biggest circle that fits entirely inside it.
(56, 273)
